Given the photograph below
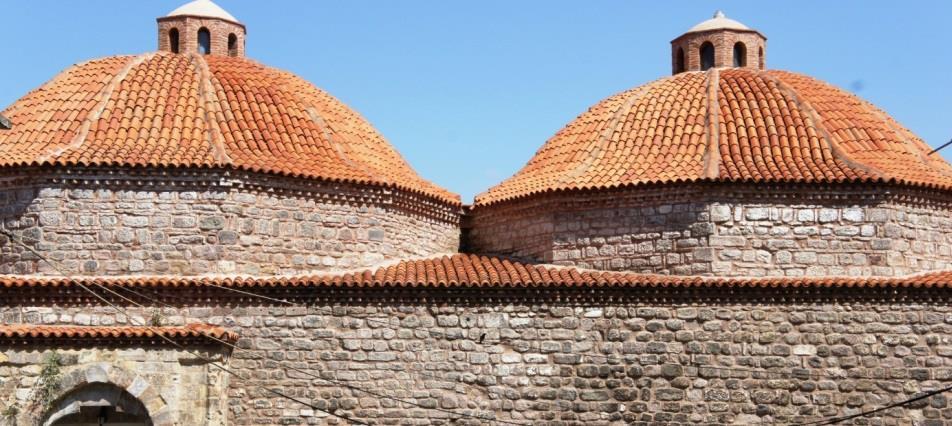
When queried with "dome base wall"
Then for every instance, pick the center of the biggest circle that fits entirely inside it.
(108, 222)
(727, 230)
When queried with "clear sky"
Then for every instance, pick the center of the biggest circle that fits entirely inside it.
(468, 91)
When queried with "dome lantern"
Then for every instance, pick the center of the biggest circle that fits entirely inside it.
(719, 42)
(203, 27)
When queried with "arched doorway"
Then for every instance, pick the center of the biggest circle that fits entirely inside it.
(98, 404)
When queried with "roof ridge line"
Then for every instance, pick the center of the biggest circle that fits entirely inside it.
(326, 130)
(329, 132)
(49, 83)
(605, 135)
(209, 98)
(356, 164)
(892, 125)
(96, 113)
(325, 127)
(712, 154)
(814, 116)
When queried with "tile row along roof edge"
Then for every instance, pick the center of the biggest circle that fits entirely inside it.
(113, 333)
(468, 270)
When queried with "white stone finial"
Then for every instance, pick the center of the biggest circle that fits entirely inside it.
(718, 22)
(203, 8)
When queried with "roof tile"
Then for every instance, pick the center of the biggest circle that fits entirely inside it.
(163, 109)
(30, 332)
(770, 126)
(470, 270)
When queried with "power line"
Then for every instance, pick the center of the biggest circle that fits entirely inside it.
(811, 373)
(786, 374)
(434, 333)
(168, 339)
(331, 381)
(835, 420)
(236, 348)
(940, 147)
(446, 335)
(438, 334)
(421, 373)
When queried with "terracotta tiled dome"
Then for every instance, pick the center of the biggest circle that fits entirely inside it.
(739, 124)
(187, 110)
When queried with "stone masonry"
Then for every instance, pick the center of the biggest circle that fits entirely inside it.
(633, 356)
(205, 223)
(726, 230)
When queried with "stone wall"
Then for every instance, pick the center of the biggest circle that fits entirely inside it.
(825, 239)
(620, 234)
(639, 356)
(175, 387)
(726, 230)
(120, 223)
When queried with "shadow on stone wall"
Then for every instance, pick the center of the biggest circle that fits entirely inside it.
(20, 217)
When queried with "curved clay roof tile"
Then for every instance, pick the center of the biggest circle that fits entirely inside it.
(202, 111)
(773, 126)
(471, 270)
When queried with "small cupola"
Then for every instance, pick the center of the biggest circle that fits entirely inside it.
(201, 27)
(719, 42)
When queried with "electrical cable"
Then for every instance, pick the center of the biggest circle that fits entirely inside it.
(334, 382)
(420, 373)
(234, 347)
(438, 334)
(168, 339)
(941, 147)
(812, 373)
(503, 339)
(835, 420)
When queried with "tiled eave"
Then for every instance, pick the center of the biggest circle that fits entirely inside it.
(476, 271)
(83, 336)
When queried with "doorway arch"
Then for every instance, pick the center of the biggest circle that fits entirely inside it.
(99, 385)
(98, 404)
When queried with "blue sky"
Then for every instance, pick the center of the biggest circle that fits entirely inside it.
(468, 91)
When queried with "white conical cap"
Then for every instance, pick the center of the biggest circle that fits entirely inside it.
(203, 8)
(719, 22)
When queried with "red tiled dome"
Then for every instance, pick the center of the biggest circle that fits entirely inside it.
(737, 124)
(168, 110)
